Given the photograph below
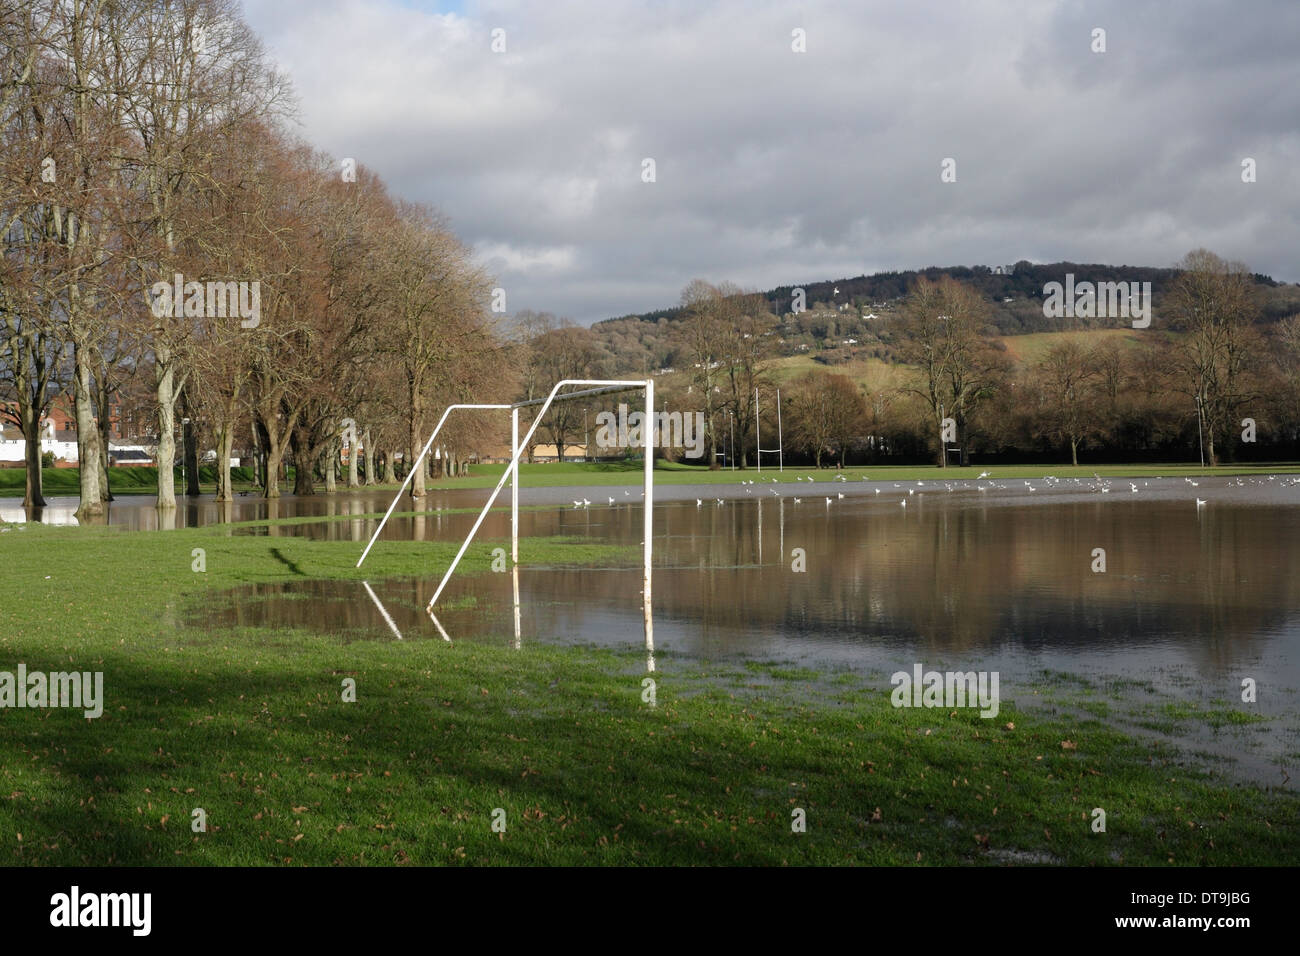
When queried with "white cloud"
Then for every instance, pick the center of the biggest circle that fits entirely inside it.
(775, 167)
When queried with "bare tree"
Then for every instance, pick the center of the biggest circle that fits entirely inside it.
(1213, 303)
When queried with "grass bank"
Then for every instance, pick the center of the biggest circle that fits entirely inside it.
(251, 726)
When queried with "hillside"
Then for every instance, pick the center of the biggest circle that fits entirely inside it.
(846, 321)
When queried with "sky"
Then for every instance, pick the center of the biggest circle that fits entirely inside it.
(775, 165)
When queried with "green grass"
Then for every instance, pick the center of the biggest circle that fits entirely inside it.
(249, 724)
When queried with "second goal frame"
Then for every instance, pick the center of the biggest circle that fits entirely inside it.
(649, 441)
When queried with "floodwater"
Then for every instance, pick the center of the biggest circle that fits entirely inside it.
(1008, 577)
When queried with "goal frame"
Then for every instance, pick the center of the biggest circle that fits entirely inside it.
(649, 441)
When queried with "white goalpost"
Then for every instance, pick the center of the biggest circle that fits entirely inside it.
(649, 440)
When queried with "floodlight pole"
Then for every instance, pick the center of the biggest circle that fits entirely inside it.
(780, 437)
(758, 441)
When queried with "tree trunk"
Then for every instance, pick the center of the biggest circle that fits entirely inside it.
(1074, 453)
(92, 502)
(370, 457)
(390, 472)
(191, 452)
(105, 405)
(354, 480)
(271, 470)
(165, 388)
(329, 461)
(417, 416)
(30, 422)
(225, 443)
(303, 483)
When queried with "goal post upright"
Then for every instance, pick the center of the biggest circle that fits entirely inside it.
(514, 501)
(648, 433)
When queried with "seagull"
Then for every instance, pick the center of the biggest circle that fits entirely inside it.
(585, 502)
(611, 501)
(903, 502)
(877, 491)
(698, 502)
(798, 501)
(577, 504)
(719, 500)
(1133, 486)
(911, 491)
(983, 474)
(828, 501)
(840, 493)
(1200, 502)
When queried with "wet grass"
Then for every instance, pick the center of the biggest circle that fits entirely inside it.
(251, 726)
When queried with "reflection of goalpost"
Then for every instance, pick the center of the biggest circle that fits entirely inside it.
(649, 434)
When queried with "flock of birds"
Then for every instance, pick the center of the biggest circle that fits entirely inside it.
(983, 483)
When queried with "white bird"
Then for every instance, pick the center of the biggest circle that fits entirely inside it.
(1133, 486)
(698, 502)
(983, 474)
(903, 502)
(840, 478)
(611, 501)
(877, 491)
(577, 504)
(911, 491)
(798, 501)
(828, 502)
(627, 494)
(840, 493)
(585, 502)
(719, 500)
(810, 477)
(1200, 502)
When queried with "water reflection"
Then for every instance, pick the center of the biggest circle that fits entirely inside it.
(1214, 587)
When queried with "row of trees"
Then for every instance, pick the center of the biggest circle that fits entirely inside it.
(145, 144)
(1211, 365)
(1215, 371)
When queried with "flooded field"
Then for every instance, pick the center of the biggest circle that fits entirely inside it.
(1146, 597)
